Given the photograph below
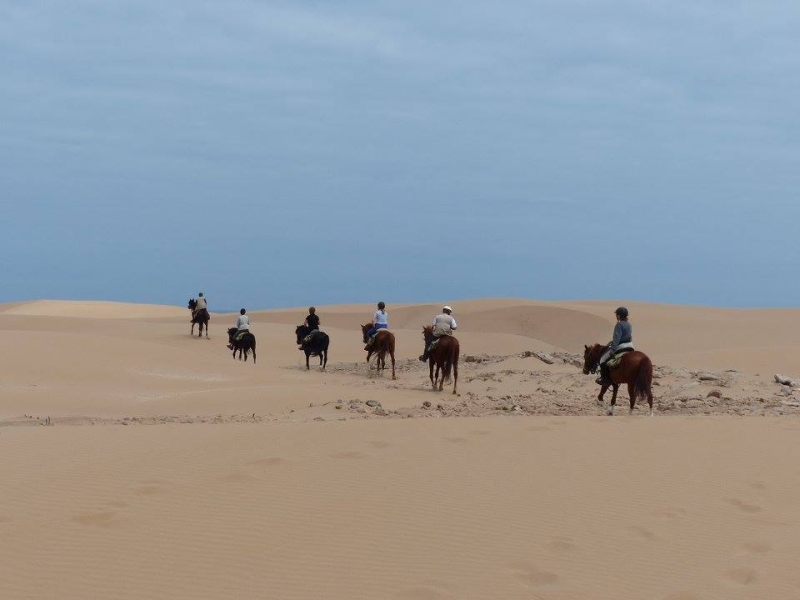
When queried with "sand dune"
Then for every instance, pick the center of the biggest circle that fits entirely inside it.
(171, 470)
(92, 310)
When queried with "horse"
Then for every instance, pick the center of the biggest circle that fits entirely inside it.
(247, 343)
(445, 356)
(316, 346)
(201, 317)
(383, 343)
(635, 369)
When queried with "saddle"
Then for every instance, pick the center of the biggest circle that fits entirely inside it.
(614, 361)
(239, 335)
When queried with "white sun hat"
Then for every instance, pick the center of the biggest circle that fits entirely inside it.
(447, 308)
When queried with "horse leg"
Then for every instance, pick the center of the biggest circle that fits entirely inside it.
(441, 380)
(632, 394)
(603, 389)
(307, 355)
(207, 336)
(650, 401)
(325, 362)
(391, 355)
(614, 389)
(430, 362)
(455, 377)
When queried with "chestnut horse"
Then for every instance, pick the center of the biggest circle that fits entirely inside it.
(199, 316)
(384, 342)
(635, 369)
(445, 356)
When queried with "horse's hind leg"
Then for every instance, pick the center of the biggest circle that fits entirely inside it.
(632, 394)
(650, 401)
(207, 336)
(433, 382)
(455, 378)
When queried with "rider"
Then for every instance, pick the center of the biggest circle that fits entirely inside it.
(622, 340)
(242, 326)
(202, 304)
(312, 322)
(443, 324)
(379, 321)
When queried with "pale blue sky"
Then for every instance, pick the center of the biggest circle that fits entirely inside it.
(276, 153)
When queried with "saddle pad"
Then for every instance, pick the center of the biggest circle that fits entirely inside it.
(617, 358)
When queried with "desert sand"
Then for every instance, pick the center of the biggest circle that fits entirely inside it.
(140, 462)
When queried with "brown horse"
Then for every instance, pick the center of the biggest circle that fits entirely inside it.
(445, 356)
(384, 342)
(635, 369)
(199, 316)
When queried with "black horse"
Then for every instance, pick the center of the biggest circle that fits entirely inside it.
(246, 344)
(317, 346)
(200, 317)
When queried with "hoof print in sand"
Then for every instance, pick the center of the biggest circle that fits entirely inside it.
(742, 575)
(530, 576)
(749, 508)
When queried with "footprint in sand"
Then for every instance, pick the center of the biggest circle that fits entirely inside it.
(104, 519)
(530, 576)
(352, 455)
(670, 512)
(148, 490)
(267, 462)
(561, 544)
(749, 508)
(643, 531)
(423, 593)
(742, 575)
(237, 478)
(757, 547)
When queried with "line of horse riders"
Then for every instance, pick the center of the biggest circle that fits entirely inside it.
(617, 361)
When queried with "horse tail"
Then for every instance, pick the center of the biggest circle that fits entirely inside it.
(644, 378)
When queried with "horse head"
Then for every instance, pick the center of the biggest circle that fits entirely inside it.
(591, 358)
(231, 333)
(192, 304)
(365, 330)
(301, 332)
(427, 332)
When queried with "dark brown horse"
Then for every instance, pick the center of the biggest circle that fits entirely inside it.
(445, 356)
(200, 317)
(635, 369)
(384, 342)
(244, 345)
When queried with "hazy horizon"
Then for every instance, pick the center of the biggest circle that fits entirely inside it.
(281, 155)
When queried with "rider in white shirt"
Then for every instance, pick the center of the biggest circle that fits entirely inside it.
(443, 324)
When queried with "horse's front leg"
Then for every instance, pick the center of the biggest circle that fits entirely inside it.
(207, 336)
(433, 383)
(307, 355)
(614, 390)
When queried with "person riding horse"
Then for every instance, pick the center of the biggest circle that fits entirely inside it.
(201, 304)
(621, 342)
(380, 320)
(242, 326)
(443, 324)
(312, 322)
